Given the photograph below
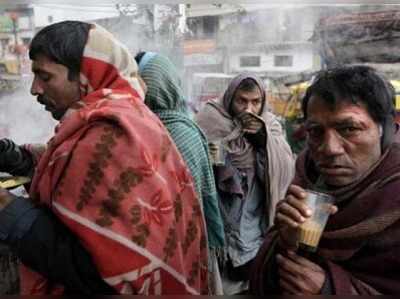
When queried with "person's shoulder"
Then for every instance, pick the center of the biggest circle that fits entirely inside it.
(104, 124)
(211, 107)
(189, 135)
(102, 129)
(274, 123)
(269, 116)
(188, 127)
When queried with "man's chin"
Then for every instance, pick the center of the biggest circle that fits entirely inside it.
(338, 182)
(57, 115)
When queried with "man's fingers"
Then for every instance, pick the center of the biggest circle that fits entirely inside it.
(300, 273)
(288, 287)
(248, 120)
(302, 261)
(282, 220)
(247, 114)
(288, 276)
(249, 131)
(212, 148)
(252, 126)
(291, 212)
(294, 283)
(289, 265)
(5, 197)
(333, 209)
(299, 205)
(297, 191)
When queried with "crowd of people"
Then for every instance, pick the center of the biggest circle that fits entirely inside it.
(127, 196)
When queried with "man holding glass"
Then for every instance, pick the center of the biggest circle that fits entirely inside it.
(353, 154)
(254, 168)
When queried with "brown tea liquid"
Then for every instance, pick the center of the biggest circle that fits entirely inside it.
(309, 234)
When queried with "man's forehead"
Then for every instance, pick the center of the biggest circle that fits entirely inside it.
(36, 66)
(342, 111)
(254, 93)
(42, 63)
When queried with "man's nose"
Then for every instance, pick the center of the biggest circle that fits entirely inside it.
(36, 88)
(332, 145)
(249, 108)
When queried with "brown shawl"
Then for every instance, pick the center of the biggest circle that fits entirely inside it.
(359, 247)
(217, 123)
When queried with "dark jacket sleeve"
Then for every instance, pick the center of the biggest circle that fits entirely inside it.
(45, 245)
(15, 159)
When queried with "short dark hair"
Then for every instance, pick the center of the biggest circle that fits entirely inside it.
(248, 84)
(139, 56)
(62, 43)
(354, 83)
(357, 84)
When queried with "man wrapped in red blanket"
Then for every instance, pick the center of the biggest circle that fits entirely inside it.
(110, 174)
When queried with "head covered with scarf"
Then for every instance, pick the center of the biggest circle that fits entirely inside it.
(235, 84)
(230, 128)
(112, 174)
(164, 97)
(164, 87)
(219, 123)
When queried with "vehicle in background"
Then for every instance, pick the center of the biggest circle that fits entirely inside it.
(9, 66)
(396, 85)
(9, 73)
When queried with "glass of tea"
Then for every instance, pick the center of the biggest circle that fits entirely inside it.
(311, 230)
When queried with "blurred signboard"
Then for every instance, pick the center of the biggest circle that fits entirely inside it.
(203, 59)
(199, 46)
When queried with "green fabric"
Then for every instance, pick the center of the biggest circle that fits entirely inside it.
(164, 97)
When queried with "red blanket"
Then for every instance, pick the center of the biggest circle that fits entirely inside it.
(113, 176)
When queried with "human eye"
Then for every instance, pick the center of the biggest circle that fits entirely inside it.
(45, 77)
(242, 101)
(348, 130)
(257, 102)
(314, 131)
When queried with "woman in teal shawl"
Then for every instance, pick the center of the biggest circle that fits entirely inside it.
(165, 98)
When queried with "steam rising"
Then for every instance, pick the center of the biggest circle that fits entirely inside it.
(239, 30)
(22, 119)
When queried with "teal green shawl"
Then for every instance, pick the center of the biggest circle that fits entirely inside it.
(165, 98)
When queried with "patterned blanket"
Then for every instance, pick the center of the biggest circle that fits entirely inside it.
(112, 174)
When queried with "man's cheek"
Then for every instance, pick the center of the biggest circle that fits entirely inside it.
(313, 147)
(312, 142)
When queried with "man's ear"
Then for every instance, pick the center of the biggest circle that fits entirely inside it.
(380, 130)
(388, 134)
